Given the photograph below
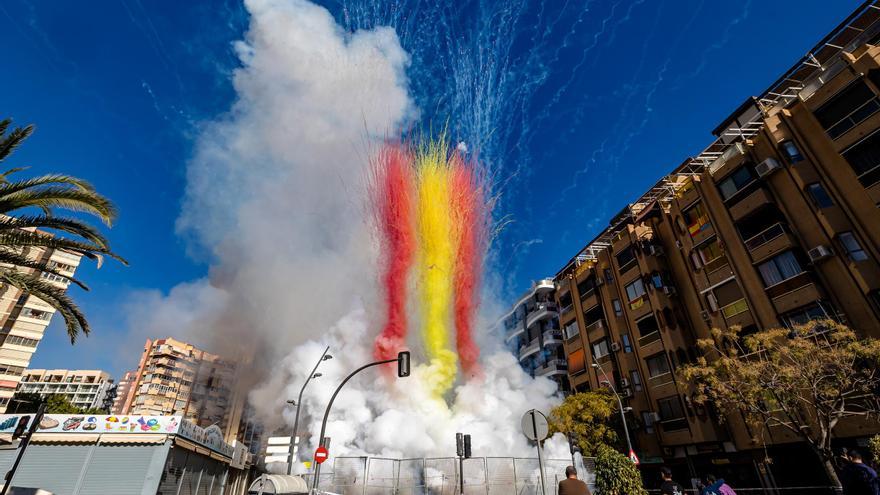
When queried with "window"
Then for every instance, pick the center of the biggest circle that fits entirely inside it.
(657, 280)
(781, 267)
(17, 340)
(576, 362)
(804, 315)
(648, 420)
(618, 310)
(736, 182)
(626, 258)
(847, 109)
(609, 277)
(600, 348)
(864, 158)
(697, 219)
(792, 152)
(586, 287)
(709, 251)
(635, 380)
(647, 325)
(657, 365)
(36, 313)
(6, 369)
(819, 195)
(852, 247)
(627, 345)
(565, 302)
(671, 413)
(54, 278)
(635, 290)
(571, 330)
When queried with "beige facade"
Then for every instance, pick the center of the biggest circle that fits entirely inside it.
(123, 388)
(23, 320)
(774, 224)
(83, 388)
(175, 377)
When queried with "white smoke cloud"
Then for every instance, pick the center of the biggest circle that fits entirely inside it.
(276, 197)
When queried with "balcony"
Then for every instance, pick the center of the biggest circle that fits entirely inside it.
(552, 367)
(770, 241)
(649, 339)
(595, 328)
(517, 331)
(687, 195)
(543, 310)
(553, 337)
(793, 293)
(527, 350)
(750, 203)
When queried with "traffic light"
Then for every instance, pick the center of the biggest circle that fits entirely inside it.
(467, 446)
(459, 445)
(21, 427)
(403, 364)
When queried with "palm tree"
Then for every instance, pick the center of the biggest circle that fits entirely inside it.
(30, 204)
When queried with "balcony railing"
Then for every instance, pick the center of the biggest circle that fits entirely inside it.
(553, 337)
(596, 325)
(735, 308)
(527, 350)
(649, 338)
(854, 118)
(765, 236)
(551, 366)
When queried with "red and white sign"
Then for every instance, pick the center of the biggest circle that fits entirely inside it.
(321, 455)
(633, 457)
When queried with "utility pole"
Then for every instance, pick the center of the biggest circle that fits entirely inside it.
(403, 368)
(298, 404)
(619, 403)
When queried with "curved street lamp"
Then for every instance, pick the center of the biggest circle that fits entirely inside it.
(619, 403)
(298, 404)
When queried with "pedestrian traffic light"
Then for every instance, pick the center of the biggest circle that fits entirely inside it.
(403, 364)
(467, 446)
(21, 427)
(459, 445)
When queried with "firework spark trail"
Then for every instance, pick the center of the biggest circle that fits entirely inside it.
(393, 195)
(437, 258)
(468, 206)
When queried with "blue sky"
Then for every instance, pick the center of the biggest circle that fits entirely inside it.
(624, 91)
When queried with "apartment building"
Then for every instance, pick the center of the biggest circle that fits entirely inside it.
(176, 378)
(85, 389)
(24, 318)
(122, 390)
(531, 330)
(775, 223)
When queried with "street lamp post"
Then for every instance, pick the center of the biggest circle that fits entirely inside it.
(619, 403)
(298, 404)
(403, 366)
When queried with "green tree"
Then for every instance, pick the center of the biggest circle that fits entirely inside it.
(30, 204)
(587, 417)
(616, 474)
(55, 404)
(59, 404)
(874, 446)
(804, 380)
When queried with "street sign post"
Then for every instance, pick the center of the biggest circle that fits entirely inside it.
(321, 454)
(535, 427)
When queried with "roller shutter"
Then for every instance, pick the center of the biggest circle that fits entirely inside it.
(52, 467)
(122, 469)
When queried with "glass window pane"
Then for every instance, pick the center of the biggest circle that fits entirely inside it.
(820, 195)
(788, 265)
(770, 273)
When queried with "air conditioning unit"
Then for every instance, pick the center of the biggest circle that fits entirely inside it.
(627, 393)
(655, 250)
(713, 302)
(615, 346)
(705, 315)
(599, 281)
(696, 260)
(624, 382)
(655, 416)
(669, 290)
(767, 167)
(819, 253)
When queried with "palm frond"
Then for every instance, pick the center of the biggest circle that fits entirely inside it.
(69, 225)
(20, 260)
(4, 177)
(10, 141)
(74, 319)
(24, 238)
(43, 180)
(4, 124)
(70, 198)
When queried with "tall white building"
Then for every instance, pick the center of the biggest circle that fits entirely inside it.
(83, 388)
(24, 318)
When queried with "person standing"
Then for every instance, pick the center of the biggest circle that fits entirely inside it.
(716, 487)
(669, 487)
(571, 485)
(858, 478)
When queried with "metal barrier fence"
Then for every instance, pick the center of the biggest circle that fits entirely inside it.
(441, 476)
(788, 490)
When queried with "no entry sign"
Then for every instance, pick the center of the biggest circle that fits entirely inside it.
(321, 454)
